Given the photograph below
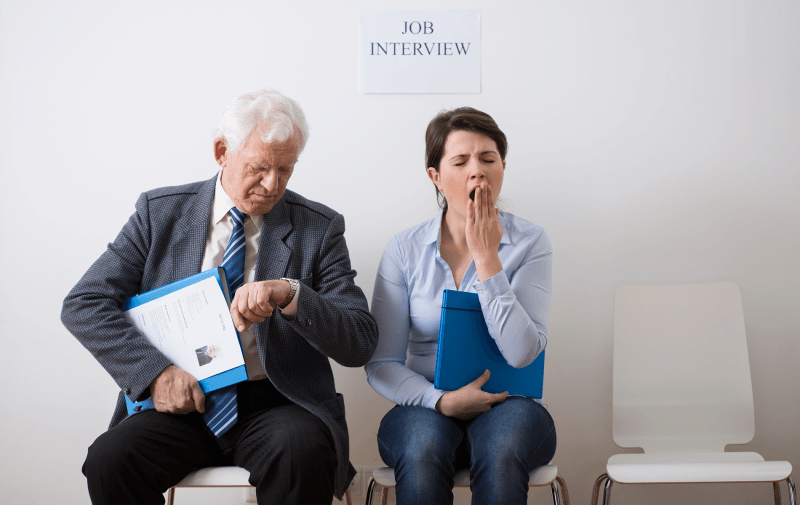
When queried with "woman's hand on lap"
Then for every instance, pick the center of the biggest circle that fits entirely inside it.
(469, 401)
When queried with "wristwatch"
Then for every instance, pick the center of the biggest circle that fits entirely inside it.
(293, 285)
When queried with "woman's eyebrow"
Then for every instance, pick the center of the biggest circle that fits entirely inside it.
(466, 155)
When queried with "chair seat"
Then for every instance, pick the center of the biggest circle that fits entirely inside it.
(222, 476)
(541, 476)
(699, 467)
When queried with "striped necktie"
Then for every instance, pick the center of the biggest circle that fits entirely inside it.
(221, 411)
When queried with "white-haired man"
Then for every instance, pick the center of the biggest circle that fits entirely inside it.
(296, 307)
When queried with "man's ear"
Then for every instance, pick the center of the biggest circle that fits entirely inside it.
(220, 151)
(433, 175)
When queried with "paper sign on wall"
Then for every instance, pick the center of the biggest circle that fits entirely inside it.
(420, 51)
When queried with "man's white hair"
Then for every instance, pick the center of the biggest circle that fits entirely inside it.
(279, 113)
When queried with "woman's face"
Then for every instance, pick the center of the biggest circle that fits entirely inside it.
(469, 159)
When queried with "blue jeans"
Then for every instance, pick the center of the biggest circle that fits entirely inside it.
(501, 447)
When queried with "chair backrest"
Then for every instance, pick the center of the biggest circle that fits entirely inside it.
(681, 369)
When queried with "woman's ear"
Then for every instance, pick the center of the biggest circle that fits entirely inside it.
(433, 175)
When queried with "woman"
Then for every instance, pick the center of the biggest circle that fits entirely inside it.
(469, 246)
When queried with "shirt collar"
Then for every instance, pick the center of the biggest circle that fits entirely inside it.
(223, 203)
(430, 232)
(433, 229)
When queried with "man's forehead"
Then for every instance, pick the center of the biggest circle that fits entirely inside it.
(261, 130)
(259, 149)
(290, 144)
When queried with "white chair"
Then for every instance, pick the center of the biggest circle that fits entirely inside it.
(542, 476)
(682, 390)
(220, 476)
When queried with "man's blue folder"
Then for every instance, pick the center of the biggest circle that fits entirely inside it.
(466, 349)
(219, 381)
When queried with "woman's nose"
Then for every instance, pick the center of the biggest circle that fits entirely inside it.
(476, 170)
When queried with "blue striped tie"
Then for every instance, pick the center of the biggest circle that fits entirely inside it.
(221, 412)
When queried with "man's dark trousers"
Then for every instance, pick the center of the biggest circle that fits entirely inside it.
(288, 451)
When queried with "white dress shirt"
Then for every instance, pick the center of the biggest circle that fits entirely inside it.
(219, 232)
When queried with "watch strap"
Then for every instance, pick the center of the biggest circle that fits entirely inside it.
(293, 285)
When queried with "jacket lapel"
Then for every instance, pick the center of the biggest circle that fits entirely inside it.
(272, 260)
(191, 242)
(273, 253)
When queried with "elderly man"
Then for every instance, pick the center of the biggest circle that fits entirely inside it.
(296, 307)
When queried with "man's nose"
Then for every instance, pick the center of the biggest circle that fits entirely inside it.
(270, 181)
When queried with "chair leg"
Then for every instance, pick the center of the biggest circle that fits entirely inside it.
(564, 492)
(370, 492)
(776, 492)
(792, 491)
(171, 496)
(597, 485)
(607, 492)
(347, 500)
(555, 493)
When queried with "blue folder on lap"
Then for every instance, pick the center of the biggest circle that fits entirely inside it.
(466, 349)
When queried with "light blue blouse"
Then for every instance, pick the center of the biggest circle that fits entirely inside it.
(407, 304)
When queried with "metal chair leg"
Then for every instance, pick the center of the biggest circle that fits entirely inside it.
(776, 492)
(385, 496)
(171, 496)
(792, 491)
(347, 499)
(555, 493)
(564, 492)
(596, 490)
(607, 492)
(370, 491)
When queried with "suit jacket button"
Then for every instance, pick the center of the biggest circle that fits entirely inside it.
(126, 391)
(308, 322)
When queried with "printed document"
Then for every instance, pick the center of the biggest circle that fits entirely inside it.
(192, 326)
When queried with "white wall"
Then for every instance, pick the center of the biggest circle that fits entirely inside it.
(655, 141)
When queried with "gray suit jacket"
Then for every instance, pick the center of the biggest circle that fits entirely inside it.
(164, 241)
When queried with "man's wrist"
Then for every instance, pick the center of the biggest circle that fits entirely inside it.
(293, 287)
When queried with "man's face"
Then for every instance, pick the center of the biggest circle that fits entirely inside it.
(255, 176)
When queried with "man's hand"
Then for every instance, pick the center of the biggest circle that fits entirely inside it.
(176, 391)
(469, 401)
(256, 301)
